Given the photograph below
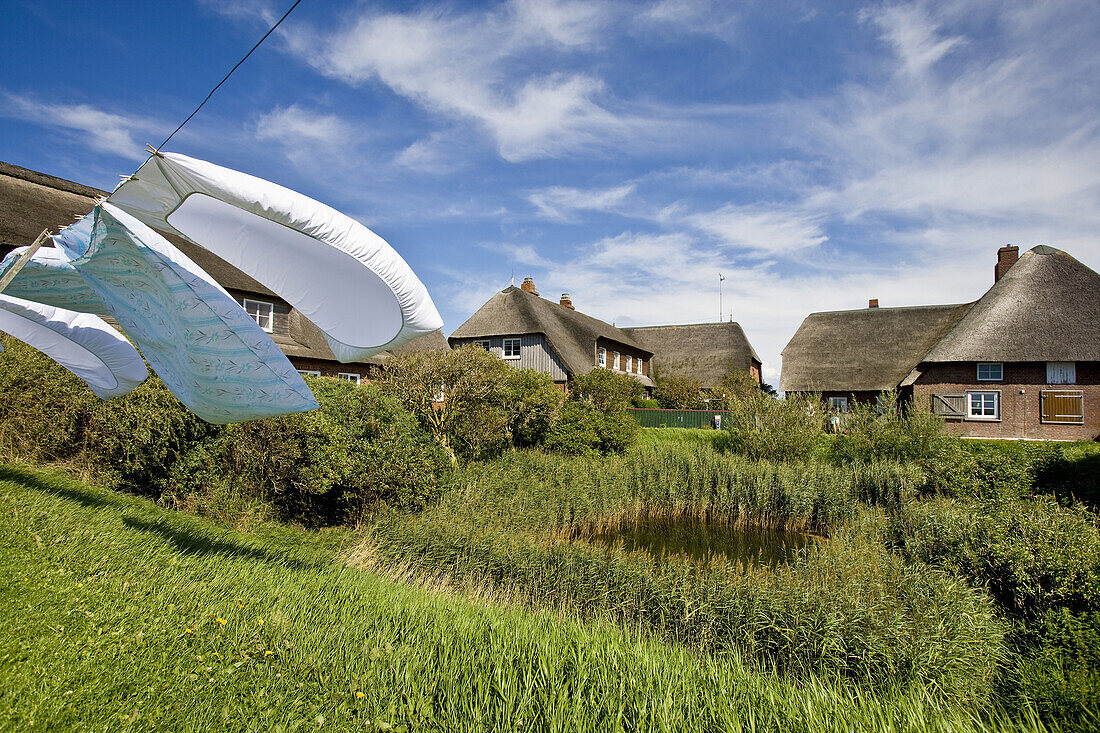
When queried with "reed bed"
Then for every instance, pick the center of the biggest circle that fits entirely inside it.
(120, 615)
(531, 491)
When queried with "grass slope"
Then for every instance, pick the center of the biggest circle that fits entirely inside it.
(118, 615)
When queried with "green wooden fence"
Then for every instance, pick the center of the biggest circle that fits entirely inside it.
(648, 418)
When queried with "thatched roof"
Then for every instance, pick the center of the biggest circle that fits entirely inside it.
(1045, 308)
(871, 349)
(571, 334)
(31, 201)
(702, 351)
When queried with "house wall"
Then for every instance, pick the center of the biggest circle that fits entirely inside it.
(280, 310)
(641, 365)
(366, 372)
(534, 353)
(1020, 399)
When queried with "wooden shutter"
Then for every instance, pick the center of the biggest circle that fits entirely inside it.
(1063, 406)
(1061, 372)
(949, 405)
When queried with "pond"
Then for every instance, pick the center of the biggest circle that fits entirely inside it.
(706, 541)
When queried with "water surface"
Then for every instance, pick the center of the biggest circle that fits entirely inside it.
(706, 541)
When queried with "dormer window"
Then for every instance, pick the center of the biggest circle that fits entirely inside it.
(261, 312)
(990, 372)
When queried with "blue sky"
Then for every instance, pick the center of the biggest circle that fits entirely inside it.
(816, 154)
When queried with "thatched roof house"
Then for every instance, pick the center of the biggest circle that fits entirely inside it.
(1023, 361)
(31, 201)
(554, 338)
(703, 352)
(869, 350)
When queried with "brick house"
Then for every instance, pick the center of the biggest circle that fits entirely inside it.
(1023, 361)
(32, 201)
(554, 338)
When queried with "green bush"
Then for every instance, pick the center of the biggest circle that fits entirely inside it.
(606, 390)
(43, 408)
(764, 428)
(576, 432)
(888, 430)
(533, 404)
(1033, 556)
(679, 393)
(329, 465)
(647, 404)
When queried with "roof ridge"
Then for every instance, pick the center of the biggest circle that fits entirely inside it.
(44, 179)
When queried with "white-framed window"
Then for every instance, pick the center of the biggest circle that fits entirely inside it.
(983, 405)
(990, 372)
(601, 357)
(629, 363)
(840, 404)
(484, 343)
(1061, 372)
(309, 372)
(617, 361)
(348, 377)
(511, 348)
(261, 312)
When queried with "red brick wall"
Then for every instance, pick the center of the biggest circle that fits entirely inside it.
(332, 368)
(1020, 399)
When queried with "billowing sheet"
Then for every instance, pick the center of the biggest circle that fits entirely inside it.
(81, 342)
(208, 351)
(49, 278)
(343, 277)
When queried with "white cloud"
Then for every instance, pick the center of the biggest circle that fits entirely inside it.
(107, 132)
(768, 229)
(559, 202)
(293, 126)
(914, 36)
(465, 66)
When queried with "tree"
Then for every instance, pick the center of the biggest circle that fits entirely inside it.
(461, 397)
(606, 390)
(679, 393)
(533, 404)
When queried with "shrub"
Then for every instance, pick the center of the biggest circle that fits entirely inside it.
(135, 439)
(888, 430)
(1059, 672)
(44, 408)
(679, 393)
(606, 390)
(989, 470)
(647, 404)
(533, 404)
(460, 396)
(764, 428)
(575, 431)
(1033, 556)
(329, 465)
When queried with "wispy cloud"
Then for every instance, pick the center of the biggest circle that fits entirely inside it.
(471, 66)
(106, 132)
(561, 202)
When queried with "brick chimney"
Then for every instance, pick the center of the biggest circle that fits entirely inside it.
(1006, 258)
(528, 286)
(872, 303)
(566, 301)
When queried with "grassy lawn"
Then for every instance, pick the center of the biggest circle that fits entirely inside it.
(120, 615)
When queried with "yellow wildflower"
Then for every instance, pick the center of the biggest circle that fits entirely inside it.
(268, 654)
(359, 694)
(260, 621)
(221, 621)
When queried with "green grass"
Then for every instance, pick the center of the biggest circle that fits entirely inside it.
(119, 615)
